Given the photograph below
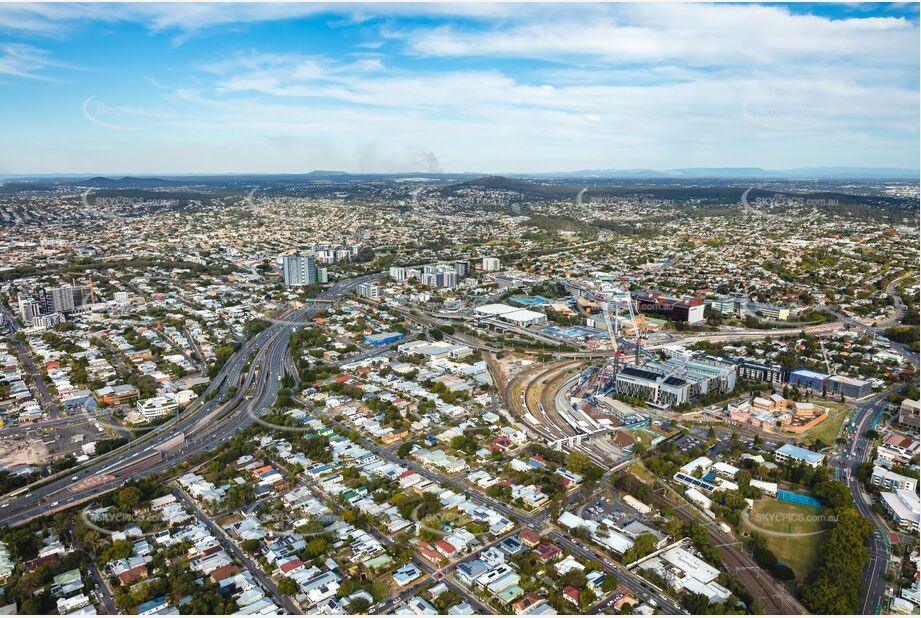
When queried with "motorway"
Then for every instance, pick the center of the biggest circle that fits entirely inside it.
(207, 423)
(903, 350)
(874, 575)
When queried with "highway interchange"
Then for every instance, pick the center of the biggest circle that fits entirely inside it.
(248, 384)
(187, 435)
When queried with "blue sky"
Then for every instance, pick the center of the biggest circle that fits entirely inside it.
(287, 88)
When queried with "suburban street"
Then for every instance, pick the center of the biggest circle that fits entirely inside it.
(264, 580)
(169, 443)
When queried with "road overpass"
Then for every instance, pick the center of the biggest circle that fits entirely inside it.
(259, 389)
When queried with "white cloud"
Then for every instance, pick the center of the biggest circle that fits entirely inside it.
(20, 60)
(689, 34)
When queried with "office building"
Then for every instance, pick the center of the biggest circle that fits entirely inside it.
(727, 305)
(902, 507)
(491, 264)
(677, 381)
(909, 413)
(848, 387)
(60, 299)
(438, 276)
(770, 312)
(652, 386)
(760, 372)
(369, 290)
(48, 320)
(807, 378)
(334, 254)
(795, 454)
(299, 270)
(29, 309)
(690, 310)
(159, 406)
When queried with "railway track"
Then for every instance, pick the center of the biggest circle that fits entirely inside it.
(525, 406)
(772, 597)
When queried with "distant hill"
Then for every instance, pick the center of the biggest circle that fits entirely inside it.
(742, 173)
(126, 182)
(496, 181)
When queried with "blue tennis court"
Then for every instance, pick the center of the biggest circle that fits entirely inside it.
(795, 498)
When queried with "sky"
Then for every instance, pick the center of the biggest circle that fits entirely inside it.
(491, 88)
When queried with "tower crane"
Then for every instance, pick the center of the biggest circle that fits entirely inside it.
(613, 301)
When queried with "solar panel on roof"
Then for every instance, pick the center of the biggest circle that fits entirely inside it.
(639, 373)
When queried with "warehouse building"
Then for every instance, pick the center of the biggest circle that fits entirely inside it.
(512, 315)
(524, 317)
(383, 338)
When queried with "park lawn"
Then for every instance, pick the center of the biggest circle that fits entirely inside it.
(800, 553)
(827, 430)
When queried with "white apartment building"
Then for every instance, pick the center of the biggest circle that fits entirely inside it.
(159, 406)
(491, 264)
(890, 480)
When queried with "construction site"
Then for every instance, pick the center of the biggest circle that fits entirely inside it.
(569, 404)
